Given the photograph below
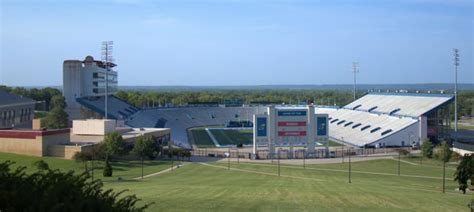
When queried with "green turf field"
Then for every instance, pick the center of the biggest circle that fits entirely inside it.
(233, 137)
(227, 137)
(375, 186)
(201, 138)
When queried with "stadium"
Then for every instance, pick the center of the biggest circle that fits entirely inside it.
(375, 120)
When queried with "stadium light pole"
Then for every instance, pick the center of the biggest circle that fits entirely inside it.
(355, 70)
(107, 47)
(456, 64)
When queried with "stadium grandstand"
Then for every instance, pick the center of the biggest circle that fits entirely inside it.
(117, 108)
(390, 119)
(180, 119)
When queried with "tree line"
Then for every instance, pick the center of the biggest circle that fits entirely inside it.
(155, 98)
(38, 94)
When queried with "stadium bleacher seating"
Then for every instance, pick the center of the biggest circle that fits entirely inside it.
(180, 119)
(117, 108)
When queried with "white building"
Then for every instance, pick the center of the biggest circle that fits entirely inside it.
(86, 79)
(390, 119)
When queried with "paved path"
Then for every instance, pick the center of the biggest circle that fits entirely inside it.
(299, 161)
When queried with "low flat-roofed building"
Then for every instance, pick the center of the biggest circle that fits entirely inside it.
(65, 143)
(32, 142)
(15, 110)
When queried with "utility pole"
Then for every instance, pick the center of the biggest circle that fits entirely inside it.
(279, 162)
(107, 47)
(238, 162)
(355, 70)
(304, 159)
(456, 64)
(350, 153)
(444, 168)
(228, 160)
(399, 163)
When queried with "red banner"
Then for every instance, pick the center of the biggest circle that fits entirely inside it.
(291, 133)
(291, 123)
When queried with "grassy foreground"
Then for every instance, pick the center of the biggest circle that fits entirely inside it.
(257, 187)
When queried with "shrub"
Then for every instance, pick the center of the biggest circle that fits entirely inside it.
(442, 152)
(427, 148)
(107, 169)
(53, 190)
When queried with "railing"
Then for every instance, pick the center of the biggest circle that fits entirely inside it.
(463, 146)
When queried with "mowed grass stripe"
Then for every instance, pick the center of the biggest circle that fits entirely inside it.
(264, 173)
(201, 188)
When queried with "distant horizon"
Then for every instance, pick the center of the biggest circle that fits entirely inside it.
(365, 86)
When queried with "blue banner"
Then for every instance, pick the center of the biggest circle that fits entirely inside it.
(292, 113)
(262, 126)
(321, 125)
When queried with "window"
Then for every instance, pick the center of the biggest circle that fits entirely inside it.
(329, 118)
(356, 107)
(334, 120)
(347, 124)
(372, 108)
(338, 123)
(357, 125)
(386, 132)
(364, 128)
(375, 130)
(394, 111)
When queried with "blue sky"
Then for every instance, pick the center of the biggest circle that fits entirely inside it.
(240, 42)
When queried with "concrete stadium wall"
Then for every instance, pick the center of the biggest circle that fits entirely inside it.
(407, 135)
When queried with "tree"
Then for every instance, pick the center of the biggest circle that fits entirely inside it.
(144, 147)
(442, 152)
(53, 190)
(113, 145)
(58, 101)
(57, 118)
(83, 157)
(41, 165)
(107, 169)
(464, 172)
(427, 148)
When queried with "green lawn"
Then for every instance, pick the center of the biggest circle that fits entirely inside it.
(233, 137)
(123, 169)
(375, 186)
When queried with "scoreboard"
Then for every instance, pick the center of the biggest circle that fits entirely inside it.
(290, 127)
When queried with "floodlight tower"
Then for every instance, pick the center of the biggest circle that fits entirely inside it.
(107, 47)
(456, 64)
(355, 70)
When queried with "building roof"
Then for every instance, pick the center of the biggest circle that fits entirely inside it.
(400, 104)
(378, 115)
(12, 99)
